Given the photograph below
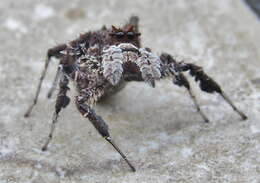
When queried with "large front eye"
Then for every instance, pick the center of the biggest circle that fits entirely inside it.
(120, 35)
(130, 35)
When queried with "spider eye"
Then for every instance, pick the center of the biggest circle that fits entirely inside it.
(130, 35)
(120, 34)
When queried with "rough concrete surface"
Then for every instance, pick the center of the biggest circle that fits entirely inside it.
(158, 129)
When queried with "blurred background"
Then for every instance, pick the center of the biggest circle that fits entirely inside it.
(159, 129)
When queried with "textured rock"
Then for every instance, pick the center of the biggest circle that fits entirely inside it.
(159, 128)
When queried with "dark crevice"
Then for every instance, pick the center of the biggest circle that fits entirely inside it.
(254, 5)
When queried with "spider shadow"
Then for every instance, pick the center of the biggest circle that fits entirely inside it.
(162, 117)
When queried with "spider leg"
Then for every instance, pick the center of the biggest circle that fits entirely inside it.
(180, 80)
(54, 83)
(207, 84)
(98, 122)
(53, 52)
(61, 102)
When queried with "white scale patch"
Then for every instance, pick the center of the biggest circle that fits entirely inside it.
(115, 56)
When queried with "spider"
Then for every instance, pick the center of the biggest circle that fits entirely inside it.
(102, 62)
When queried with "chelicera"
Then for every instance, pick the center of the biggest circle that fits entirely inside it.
(102, 62)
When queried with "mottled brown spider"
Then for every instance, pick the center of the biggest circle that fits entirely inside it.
(100, 63)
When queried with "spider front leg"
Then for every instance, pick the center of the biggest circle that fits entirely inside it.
(61, 102)
(97, 121)
(207, 84)
(53, 52)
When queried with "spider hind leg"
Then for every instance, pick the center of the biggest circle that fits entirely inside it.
(62, 101)
(54, 83)
(53, 52)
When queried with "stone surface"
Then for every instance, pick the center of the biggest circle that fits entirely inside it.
(159, 128)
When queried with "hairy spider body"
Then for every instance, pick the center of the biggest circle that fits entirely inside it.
(101, 63)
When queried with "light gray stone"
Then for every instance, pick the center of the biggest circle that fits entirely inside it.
(158, 129)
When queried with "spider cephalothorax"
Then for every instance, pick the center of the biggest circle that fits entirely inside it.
(100, 63)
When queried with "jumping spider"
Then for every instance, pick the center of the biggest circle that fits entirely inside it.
(101, 62)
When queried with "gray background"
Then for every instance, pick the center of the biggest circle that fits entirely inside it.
(159, 128)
